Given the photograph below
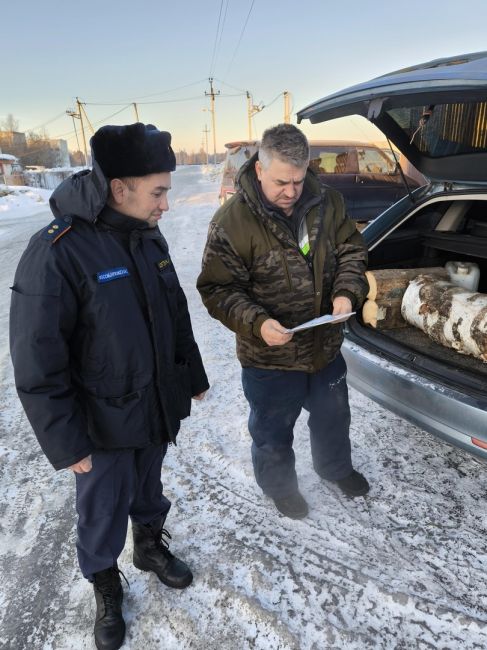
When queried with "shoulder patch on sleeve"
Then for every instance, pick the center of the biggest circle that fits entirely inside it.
(163, 264)
(56, 229)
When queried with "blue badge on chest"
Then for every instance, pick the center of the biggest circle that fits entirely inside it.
(112, 274)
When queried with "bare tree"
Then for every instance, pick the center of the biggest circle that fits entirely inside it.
(10, 123)
(39, 151)
(77, 159)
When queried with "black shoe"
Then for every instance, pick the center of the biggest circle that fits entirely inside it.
(293, 506)
(354, 485)
(151, 553)
(109, 623)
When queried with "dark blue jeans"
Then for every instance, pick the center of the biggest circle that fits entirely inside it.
(122, 483)
(276, 398)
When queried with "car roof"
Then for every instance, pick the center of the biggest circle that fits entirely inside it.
(242, 143)
(341, 143)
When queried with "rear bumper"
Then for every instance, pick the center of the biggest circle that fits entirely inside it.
(444, 412)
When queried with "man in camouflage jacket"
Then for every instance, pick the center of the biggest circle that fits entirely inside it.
(279, 253)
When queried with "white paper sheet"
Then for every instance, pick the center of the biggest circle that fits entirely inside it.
(322, 320)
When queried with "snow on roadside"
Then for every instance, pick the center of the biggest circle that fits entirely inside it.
(22, 201)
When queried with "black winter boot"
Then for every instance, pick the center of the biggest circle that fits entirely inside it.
(294, 506)
(353, 485)
(151, 553)
(109, 623)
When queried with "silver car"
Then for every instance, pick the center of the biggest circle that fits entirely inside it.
(436, 115)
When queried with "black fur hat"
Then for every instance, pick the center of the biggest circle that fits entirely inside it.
(132, 150)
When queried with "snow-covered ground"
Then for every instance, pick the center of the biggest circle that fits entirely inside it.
(402, 568)
(22, 201)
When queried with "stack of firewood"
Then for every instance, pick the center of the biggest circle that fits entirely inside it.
(382, 309)
(450, 315)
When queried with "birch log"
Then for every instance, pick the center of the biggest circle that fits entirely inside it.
(390, 284)
(450, 315)
(384, 314)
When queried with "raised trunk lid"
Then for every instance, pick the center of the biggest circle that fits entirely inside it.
(435, 114)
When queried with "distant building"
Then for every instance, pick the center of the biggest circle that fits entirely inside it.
(13, 143)
(62, 153)
(10, 169)
(35, 150)
(8, 164)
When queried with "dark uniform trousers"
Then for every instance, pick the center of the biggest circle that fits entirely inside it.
(276, 398)
(121, 483)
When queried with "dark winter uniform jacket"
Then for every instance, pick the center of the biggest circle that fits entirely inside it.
(253, 269)
(101, 338)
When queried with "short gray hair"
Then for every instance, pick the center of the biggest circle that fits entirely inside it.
(285, 142)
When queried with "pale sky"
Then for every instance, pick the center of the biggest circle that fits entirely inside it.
(109, 52)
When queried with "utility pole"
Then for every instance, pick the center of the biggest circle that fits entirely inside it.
(252, 109)
(136, 112)
(82, 129)
(206, 131)
(79, 117)
(73, 114)
(287, 116)
(211, 94)
(82, 105)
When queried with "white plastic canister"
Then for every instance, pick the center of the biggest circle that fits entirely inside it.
(464, 274)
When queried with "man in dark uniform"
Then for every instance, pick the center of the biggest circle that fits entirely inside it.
(105, 359)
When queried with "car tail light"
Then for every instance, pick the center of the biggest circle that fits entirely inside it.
(479, 443)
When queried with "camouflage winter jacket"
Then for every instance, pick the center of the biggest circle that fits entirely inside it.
(253, 269)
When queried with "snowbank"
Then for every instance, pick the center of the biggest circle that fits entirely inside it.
(22, 201)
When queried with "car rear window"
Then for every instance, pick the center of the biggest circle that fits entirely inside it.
(444, 129)
(331, 160)
(373, 161)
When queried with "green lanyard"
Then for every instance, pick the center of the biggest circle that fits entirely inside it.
(303, 238)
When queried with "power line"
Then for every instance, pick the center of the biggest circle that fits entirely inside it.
(112, 115)
(162, 92)
(186, 99)
(173, 101)
(68, 133)
(40, 126)
(165, 92)
(161, 101)
(223, 23)
(221, 32)
(216, 37)
(241, 36)
(124, 106)
(273, 101)
(241, 90)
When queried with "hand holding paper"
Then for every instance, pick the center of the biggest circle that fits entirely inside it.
(274, 333)
(341, 305)
(322, 320)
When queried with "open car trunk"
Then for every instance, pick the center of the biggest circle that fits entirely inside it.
(440, 231)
